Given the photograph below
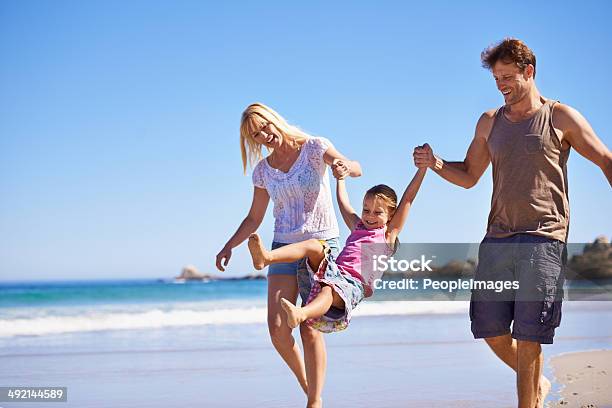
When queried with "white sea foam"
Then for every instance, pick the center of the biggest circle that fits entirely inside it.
(411, 308)
(72, 320)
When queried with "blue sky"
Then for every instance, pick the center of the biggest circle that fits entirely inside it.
(119, 121)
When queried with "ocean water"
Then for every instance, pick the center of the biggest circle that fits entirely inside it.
(37, 308)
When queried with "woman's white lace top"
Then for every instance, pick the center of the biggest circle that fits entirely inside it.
(302, 199)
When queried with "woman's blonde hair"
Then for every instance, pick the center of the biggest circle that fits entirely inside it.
(254, 117)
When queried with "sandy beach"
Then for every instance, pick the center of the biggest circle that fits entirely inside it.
(585, 378)
(427, 360)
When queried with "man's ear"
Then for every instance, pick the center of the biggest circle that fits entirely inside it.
(529, 72)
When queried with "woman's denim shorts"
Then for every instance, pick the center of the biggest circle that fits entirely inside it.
(291, 268)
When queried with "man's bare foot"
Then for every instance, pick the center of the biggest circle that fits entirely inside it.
(543, 390)
(258, 252)
(295, 316)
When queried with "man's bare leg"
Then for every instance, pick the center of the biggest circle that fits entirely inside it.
(505, 347)
(529, 369)
(311, 249)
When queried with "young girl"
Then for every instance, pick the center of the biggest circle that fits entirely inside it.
(338, 284)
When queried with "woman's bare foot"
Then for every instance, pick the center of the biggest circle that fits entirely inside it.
(543, 390)
(295, 316)
(315, 404)
(258, 252)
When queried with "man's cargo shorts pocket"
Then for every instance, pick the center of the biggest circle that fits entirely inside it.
(550, 314)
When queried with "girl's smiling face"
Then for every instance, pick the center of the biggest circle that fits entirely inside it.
(375, 213)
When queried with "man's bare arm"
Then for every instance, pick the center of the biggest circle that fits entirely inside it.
(580, 135)
(466, 173)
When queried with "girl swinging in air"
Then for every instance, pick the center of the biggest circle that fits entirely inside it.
(339, 284)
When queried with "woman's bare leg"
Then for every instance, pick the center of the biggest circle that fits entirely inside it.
(284, 286)
(311, 372)
(315, 357)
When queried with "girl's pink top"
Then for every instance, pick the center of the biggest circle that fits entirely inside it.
(361, 246)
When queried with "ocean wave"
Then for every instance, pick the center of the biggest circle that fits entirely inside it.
(157, 318)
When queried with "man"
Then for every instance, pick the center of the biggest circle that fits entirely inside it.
(528, 141)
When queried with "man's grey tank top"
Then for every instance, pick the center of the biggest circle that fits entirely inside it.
(530, 193)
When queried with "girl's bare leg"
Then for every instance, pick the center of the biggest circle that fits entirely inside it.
(316, 308)
(311, 249)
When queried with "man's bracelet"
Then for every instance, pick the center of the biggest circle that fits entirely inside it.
(438, 164)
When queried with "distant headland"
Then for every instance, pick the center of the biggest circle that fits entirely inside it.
(190, 273)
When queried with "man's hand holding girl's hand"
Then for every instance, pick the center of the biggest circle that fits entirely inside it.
(424, 156)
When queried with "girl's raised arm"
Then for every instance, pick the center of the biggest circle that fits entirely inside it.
(348, 213)
(401, 213)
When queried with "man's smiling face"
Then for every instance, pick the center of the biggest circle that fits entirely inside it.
(512, 82)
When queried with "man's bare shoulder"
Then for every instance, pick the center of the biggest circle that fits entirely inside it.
(565, 117)
(485, 124)
(489, 115)
(563, 111)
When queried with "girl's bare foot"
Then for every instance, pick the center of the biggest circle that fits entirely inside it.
(543, 390)
(295, 316)
(258, 252)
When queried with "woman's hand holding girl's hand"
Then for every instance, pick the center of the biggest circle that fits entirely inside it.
(340, 169)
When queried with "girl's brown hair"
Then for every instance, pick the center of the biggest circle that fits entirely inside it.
(386, 194)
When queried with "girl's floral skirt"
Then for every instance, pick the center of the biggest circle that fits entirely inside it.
(350, 289)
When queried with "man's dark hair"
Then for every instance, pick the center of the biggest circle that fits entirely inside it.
(508, 51)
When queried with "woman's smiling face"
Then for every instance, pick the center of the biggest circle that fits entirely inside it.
(267, 135)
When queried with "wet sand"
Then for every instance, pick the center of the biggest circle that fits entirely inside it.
(586, 379)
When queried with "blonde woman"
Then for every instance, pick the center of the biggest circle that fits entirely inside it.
(295, 176)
